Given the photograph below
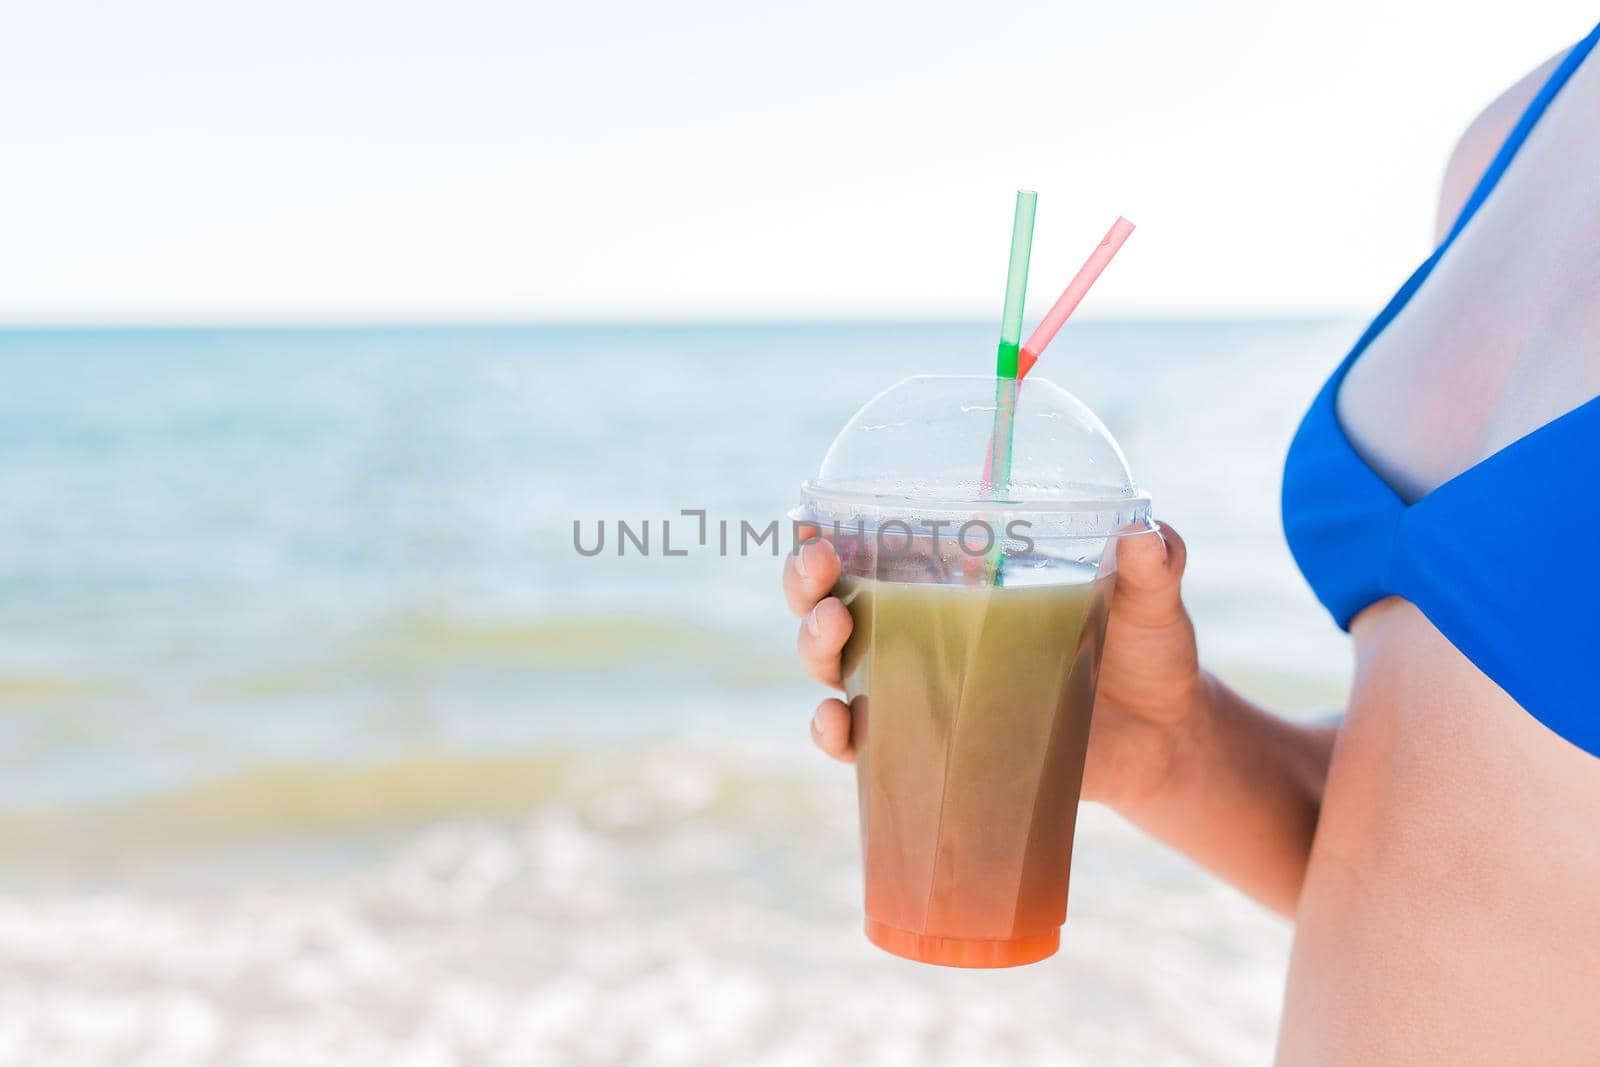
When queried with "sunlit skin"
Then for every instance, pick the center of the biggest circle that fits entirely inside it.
(1437, 848)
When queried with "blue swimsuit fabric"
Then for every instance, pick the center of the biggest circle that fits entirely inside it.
(1504, 558)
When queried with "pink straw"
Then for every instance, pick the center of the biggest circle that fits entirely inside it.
(1072, 295)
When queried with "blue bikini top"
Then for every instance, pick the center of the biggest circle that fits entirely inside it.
(1504, 558)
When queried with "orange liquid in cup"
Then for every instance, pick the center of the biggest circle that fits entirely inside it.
(971, 708)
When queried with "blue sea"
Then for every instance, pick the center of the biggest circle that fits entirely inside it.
(321, 743)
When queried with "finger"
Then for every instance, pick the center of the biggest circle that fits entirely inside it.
(1149, 573)
(830, 729)
(1177, 551)
(808, 575)
(1142, 561)
(823, 633)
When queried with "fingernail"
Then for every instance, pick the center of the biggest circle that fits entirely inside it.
(816, 726)
(811, 623)
(800, 562)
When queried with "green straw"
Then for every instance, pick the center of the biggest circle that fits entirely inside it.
(998, 475)
(1005, 365)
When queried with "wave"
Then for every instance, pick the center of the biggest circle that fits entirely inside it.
(557, 939)
(30, 688)
(632, 790)
(610, 647)
(579, 641)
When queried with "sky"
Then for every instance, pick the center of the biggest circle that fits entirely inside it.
(177, 161)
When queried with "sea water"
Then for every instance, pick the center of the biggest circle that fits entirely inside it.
(321, 742)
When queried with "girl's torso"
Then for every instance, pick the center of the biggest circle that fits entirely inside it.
(1451, 909)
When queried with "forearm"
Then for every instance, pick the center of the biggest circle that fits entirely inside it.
(1242, 795)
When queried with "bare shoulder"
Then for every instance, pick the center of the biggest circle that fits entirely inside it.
(1482, 139)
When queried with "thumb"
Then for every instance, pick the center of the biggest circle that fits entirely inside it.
(1150, 575)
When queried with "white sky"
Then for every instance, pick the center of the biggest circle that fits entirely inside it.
(175, 160)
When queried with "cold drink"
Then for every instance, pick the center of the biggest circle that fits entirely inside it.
(970, 709)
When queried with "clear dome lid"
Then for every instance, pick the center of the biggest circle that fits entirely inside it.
(919, 449)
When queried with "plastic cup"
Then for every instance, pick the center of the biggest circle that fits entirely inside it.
(971, 686)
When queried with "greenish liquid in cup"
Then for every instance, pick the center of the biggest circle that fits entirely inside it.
(971, 709)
